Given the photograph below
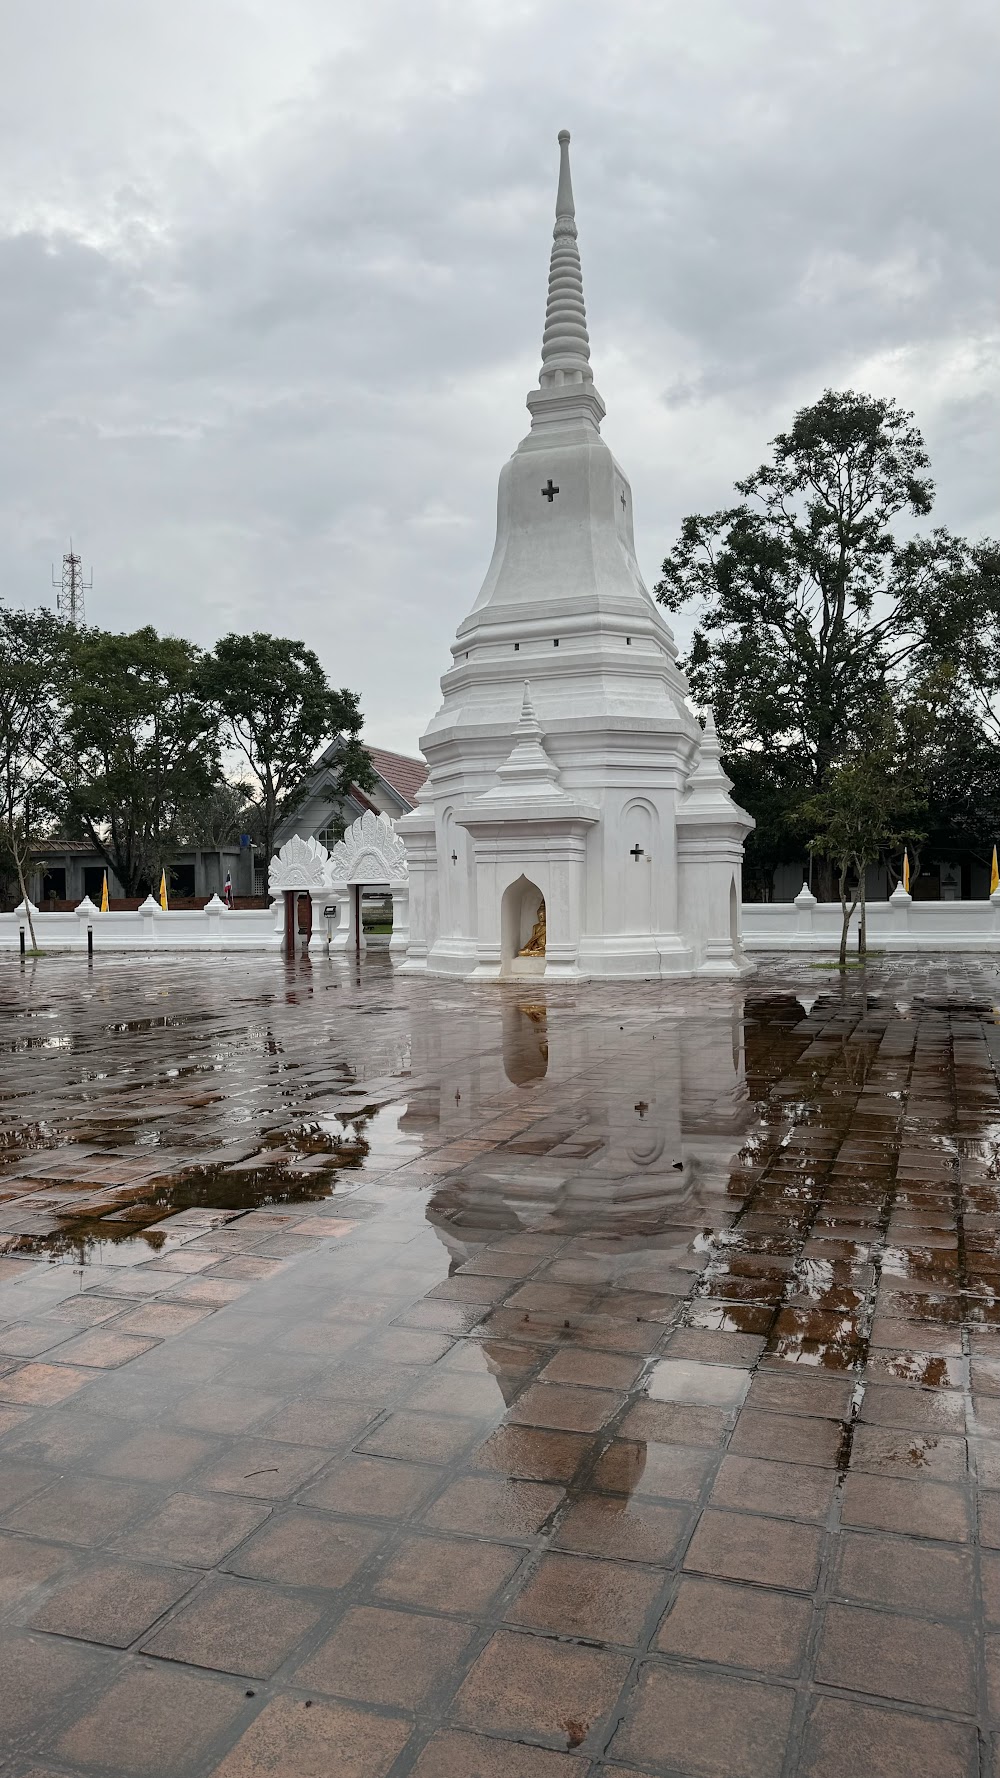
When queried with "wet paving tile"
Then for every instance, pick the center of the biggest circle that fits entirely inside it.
(557, 1693)
(152, 1719)
(377, 1394)
(713, 1724)
(735, 1626)
(380, 1656)
(574, 1596)
(113, 1602)
(235, 1626)
(287, 1738)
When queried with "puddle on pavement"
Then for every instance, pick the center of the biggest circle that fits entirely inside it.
(723, 1146)
(137, 1219)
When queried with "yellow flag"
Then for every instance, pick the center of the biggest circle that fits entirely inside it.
(906, 871)
(994, 874)
(163, 890)
(104, 894)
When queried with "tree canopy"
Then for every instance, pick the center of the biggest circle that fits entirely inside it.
(276, 707)
(815, 594)
(121, 740)
(33, 655)
(138, 746)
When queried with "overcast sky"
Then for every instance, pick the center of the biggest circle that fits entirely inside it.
(272, 279)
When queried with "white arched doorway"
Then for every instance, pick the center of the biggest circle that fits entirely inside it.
(522, 914)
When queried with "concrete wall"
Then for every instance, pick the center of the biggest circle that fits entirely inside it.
(900, 924)
(212, 928)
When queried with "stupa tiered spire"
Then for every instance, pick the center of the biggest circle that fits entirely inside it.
(565, 382)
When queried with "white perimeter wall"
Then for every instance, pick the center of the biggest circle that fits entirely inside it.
(897, 925)
(189, 929)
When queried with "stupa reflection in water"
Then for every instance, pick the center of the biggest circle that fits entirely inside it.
(610, 1197)
(628, 1174)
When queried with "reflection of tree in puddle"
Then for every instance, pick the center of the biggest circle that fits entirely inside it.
(18, 1139)
(141, 1214)
(827, 1341)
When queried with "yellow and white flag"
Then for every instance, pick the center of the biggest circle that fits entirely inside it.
(163, 890)
(906, 871)
(104, 894)
(994, 875)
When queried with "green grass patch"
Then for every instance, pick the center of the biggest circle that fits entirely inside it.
(852, 962)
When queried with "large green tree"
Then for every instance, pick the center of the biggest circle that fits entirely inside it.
(966, 630)
(33, 654)
(947, 747)
(277, 707)
(810, 597)
(140, 747)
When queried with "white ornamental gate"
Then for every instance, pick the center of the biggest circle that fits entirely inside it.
(298, 873)
(371, 855)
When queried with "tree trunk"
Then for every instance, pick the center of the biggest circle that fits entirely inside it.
(24, 896)
(848, 910)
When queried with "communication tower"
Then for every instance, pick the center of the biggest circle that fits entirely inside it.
(71, 588)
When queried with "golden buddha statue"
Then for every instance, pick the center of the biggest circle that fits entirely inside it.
(535, 946)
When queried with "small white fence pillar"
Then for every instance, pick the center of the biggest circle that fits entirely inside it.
(804, 903)
(900, 904)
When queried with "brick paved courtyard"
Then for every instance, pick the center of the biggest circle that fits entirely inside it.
(399, 1378)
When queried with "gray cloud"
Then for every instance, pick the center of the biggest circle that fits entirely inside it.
(273, 284)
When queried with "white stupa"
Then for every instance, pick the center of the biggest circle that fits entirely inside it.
(576, 820)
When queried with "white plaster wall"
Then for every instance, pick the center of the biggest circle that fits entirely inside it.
(895, 925)
(188, 929)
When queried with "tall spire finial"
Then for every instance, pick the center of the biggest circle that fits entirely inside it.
(565, 342)
(565, 372)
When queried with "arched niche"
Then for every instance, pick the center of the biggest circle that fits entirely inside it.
(518, 913)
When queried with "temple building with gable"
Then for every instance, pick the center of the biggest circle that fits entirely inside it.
(575, 820)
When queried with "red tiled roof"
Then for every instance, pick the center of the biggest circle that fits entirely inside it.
(404, 774)
(42, 848)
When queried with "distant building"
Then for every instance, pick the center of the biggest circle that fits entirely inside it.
(67, 870)
(321, 813)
